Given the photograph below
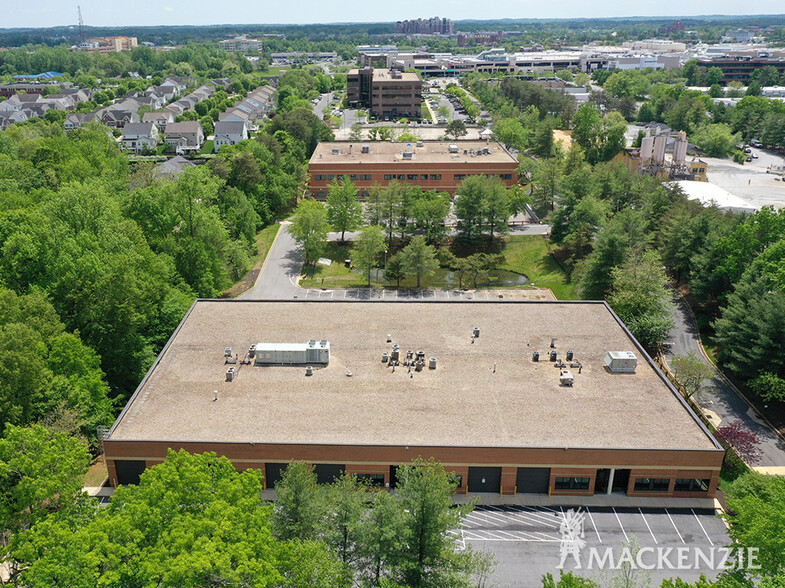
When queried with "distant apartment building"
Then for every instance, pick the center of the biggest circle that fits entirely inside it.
(240, 44)
(429, 26)
(675, 27)
(107, 44)
(432, 165)
(386, 93)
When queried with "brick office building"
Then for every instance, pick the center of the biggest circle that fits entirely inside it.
(740, 69)
(432, 165)
(386, 93)
(478, 402)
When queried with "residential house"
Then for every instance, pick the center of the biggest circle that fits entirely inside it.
(138, 137)
(180, 82)
(229, 133)
(173, 167)
(9, 117)
(175, 108)
(235, 115)
(166, 93)
(117, 119)
(161, 119)
(76, 119)
(19, 101)
(185, 136)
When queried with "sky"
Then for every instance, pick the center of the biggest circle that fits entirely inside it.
(47, 13)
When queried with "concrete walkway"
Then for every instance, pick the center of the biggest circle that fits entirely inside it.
(721, 402)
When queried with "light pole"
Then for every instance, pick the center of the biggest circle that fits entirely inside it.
(384, 280)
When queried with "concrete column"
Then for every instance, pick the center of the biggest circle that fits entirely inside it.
(610, 481)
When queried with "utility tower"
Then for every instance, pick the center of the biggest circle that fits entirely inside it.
(81, 24)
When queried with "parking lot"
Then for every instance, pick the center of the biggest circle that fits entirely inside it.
(526, 540)
(414, 294)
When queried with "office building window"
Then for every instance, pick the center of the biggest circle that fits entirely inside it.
(691, 485)
(459, 177)
(572, 483)
(389, 177)
(353, 177)
(506, 176)
(652, 484)
(412, 177)
(401, 176)
(436, 176)
(365, 177)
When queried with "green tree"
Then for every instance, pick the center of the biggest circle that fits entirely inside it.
(568, 580)
(769, 387)
(429, 211)
(691, 372)
(716, 140)
(356, 132)
(366, 251)
(713, 76)
(512, 133)
(396, 269)
(192, 521)
(757, 502)
(419, 258)
(546, 177)
(542, 145)
(344, 212)
(641, 299)
(456, 128)
(309, 228)
(429, 556)
(382, 540)
(347, 499)
(41, 474)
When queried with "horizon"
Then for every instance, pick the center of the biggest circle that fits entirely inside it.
(97, 14)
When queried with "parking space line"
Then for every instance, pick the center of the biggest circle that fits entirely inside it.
(674, 525)
(593, 524)
(494, 517)
(537, 518)
(701, 525)
(475, 536)
(543, 508)
(482, 519)
(516, 538)
(648, 527)
(331, 293)
(518, 517)
(622, 526)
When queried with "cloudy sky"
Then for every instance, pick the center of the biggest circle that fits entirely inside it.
(45, 13)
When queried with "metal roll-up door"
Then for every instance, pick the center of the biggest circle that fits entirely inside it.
(485, 479)
(327, 473)
(129, 470)
(273, 473)
(533, 480)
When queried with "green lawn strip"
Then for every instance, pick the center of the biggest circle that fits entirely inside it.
(264, 240)
(529, 255)
(335, 275)
(207, 148)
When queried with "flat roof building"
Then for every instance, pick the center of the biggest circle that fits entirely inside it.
(471, 397)
(432, 165)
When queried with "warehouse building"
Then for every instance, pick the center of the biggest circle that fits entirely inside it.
(513, 397)
(432, 165)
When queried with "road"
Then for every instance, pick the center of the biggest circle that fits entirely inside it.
(721, 402)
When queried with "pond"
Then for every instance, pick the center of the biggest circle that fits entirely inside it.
(444, 278)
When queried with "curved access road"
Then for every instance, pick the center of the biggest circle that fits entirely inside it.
(720, 401)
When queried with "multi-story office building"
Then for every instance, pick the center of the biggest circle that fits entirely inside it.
(386, 93)
(432, 165)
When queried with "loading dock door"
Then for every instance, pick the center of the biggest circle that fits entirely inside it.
(485, 479)
(327, 473)
(533, 480)
(273, 473)
(128, 471)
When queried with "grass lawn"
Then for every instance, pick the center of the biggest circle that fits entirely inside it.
(264, 240)
(207, 148)
(335, 275)
(97, 473)
(529, 255)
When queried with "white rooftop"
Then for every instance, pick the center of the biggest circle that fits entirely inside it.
(708, 194)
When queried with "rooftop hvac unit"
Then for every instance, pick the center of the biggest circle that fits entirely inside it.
(453, 148)
(408, 155)
(366, 148)
(419, 143)
(476, 332)
(621, 362)
(312, 352)
(535, 356)
(432, 363)
(336, 151)
(566, 378)
(553, 355)
(227, 352)
(230, 374)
